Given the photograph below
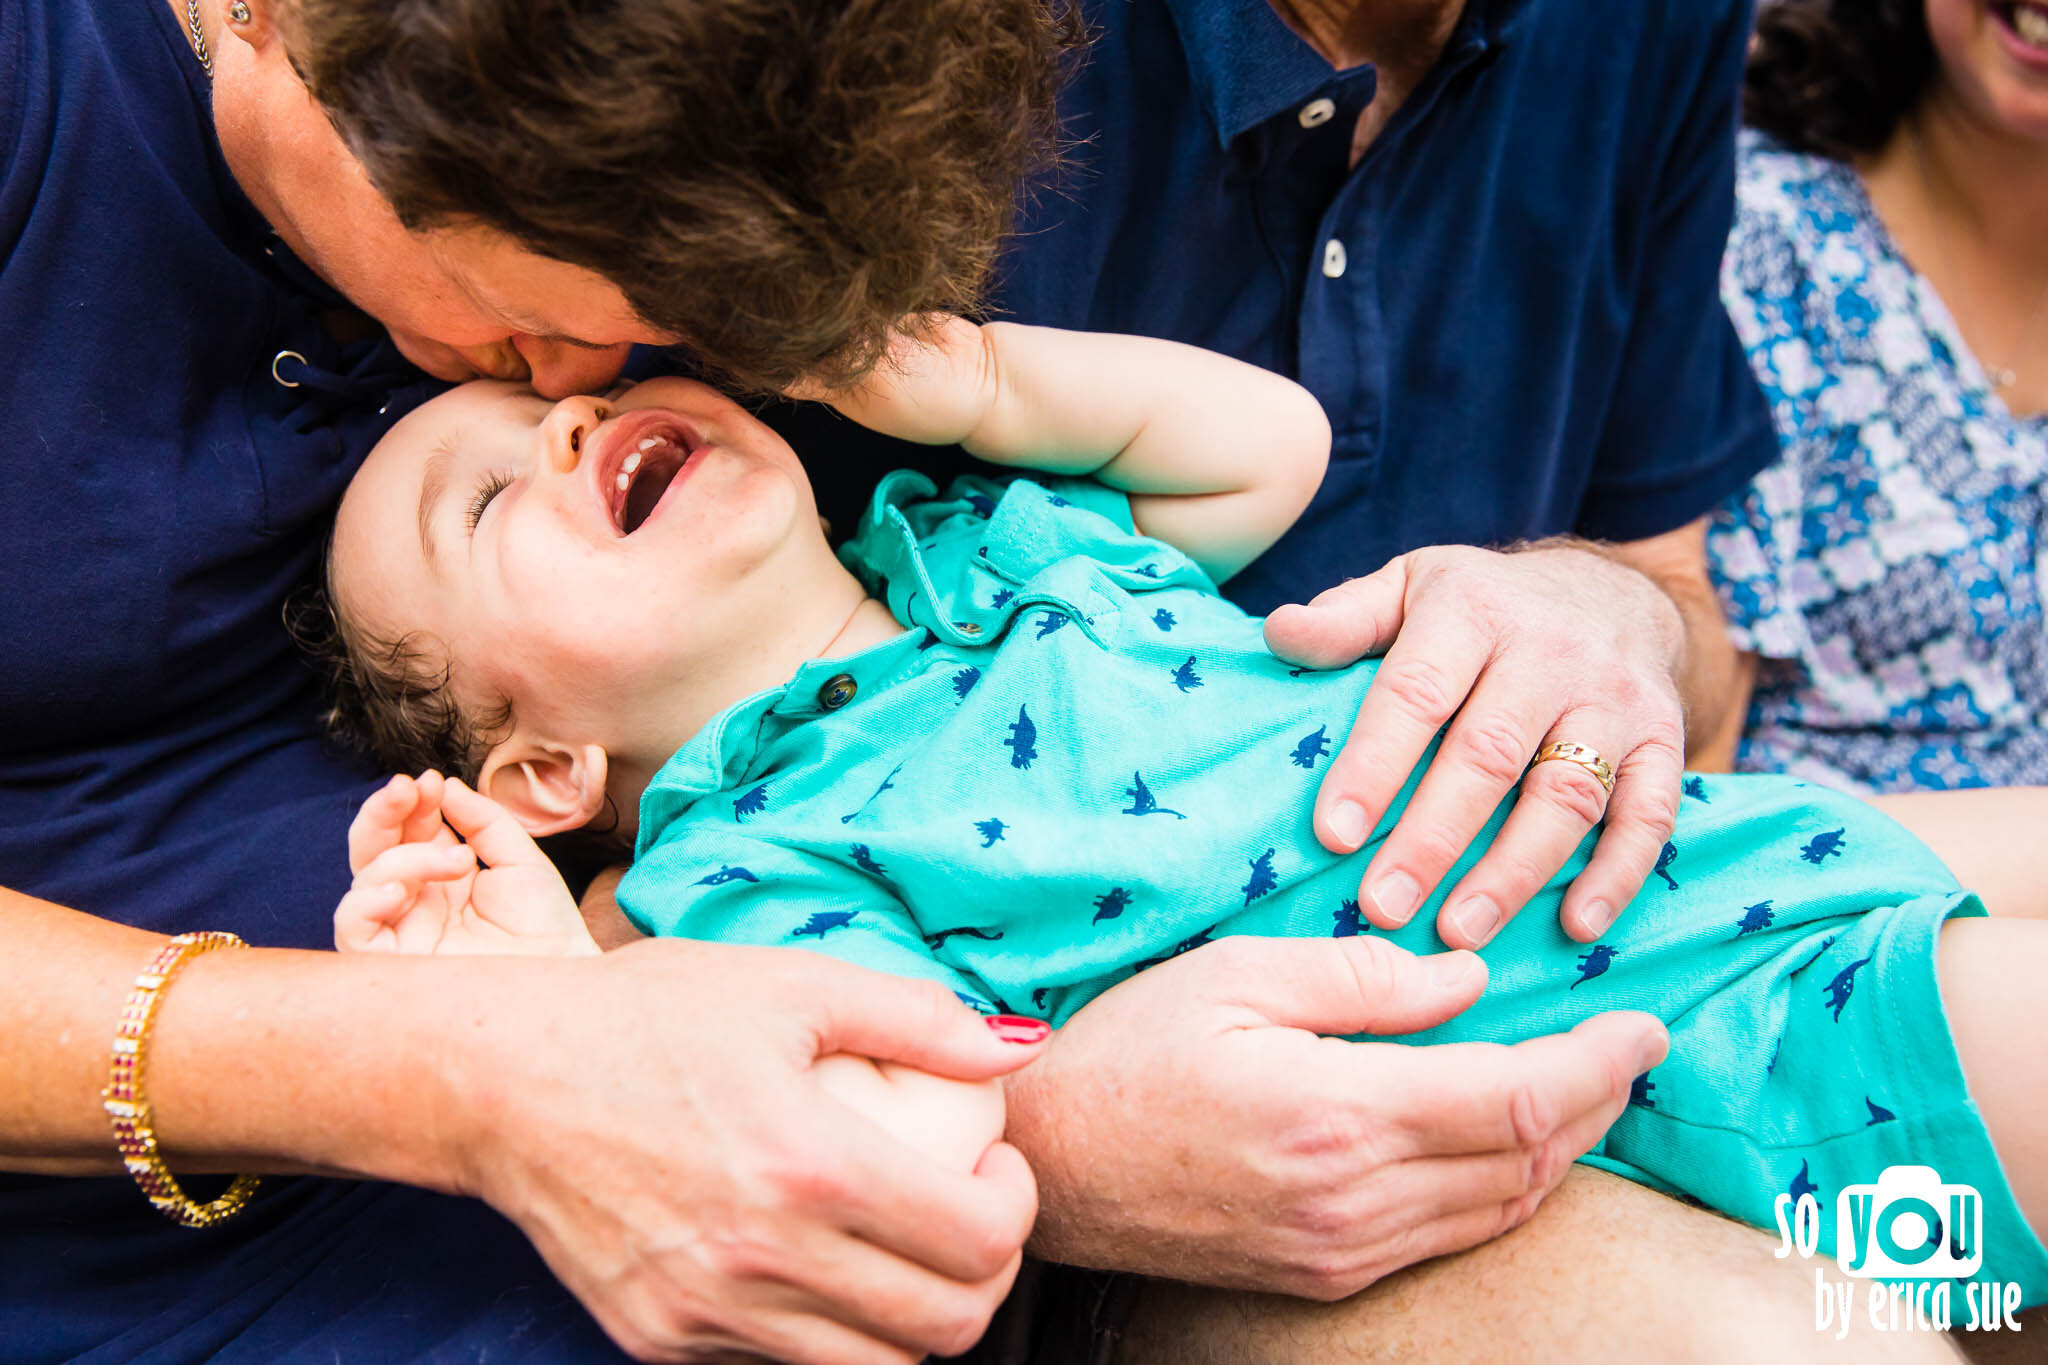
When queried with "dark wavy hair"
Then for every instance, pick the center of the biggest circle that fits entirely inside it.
(1834, 77)
(775, 182)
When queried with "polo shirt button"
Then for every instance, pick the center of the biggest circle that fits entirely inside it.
(1333, 258)
(1316, 113)
(838, 690)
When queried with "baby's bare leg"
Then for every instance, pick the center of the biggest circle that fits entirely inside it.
(1994, 840)
(1606, 1270)
(1991, 987)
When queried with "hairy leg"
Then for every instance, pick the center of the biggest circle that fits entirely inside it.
(1606, 1270)
(1990, 839)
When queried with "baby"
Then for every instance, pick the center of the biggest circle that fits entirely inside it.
(1011, 739)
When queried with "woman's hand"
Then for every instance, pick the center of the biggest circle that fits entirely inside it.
(1512, 651)
(1190, 1123)
(702, 1190)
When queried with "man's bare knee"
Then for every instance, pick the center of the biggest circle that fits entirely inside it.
(1605, 1271)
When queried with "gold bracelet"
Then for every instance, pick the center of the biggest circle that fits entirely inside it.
(126, 1095)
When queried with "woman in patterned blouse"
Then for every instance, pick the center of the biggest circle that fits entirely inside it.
(1888, 273)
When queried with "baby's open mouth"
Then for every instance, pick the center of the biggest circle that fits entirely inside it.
(2027, 20)
(644, 476)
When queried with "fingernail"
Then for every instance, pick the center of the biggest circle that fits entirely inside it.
(1347, 824)
(1655, 1048)
(1476, 919)
(1395, 896)
(1015, 1028)
(1598, 917)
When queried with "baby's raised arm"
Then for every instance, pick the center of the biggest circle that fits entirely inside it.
(1219, 457)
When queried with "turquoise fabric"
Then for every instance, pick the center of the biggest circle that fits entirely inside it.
(1079, 761)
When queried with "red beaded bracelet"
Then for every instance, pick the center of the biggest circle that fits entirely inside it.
(126, 1095)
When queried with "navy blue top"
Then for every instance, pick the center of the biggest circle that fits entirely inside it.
(160, 494)
(1525, 338)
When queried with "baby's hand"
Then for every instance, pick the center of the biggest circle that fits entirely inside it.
(934, 386)
(953, 1122)
(420, 890)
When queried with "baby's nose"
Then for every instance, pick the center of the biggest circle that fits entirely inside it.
(567, 429)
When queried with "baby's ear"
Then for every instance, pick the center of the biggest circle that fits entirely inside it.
(548, 788)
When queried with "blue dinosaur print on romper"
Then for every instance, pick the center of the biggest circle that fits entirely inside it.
(727, 873)
(1665, 857)
(1002, 598)
(1040, 996)
(1262, 878)
(1878, 1113)
(1143, 802)
(1110, 904)
(1844, 986)
(990, 831)
(1696, 788)
(1186, 945)
(887, 783)
(1149, 570)
(1821, 847)
(1055, 500)
(982, 505)
(1297, 672)
(1802, 1184)
(1311, 748)
(1755, 919)
(1023, 740)
(1050, 622)
(1639, 1091)
(1350, 923)
(1185, 677)
(964, 681)
(751, 802)
(1164, 619)
(824, 922)
(1594, 963)
(1825, 944)
(864, 859)
(938, 940)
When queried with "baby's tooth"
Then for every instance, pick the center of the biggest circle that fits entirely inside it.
(632, 462)
(624, 483)
(649, 444)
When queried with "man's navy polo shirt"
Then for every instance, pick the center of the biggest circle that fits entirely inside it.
(1509, 308)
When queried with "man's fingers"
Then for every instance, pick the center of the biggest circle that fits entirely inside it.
(1640, 819)
(498, 838)
(1474, 1097)
(1361, 984)
(1344, 624)
(1422, 682)
(964, 1227)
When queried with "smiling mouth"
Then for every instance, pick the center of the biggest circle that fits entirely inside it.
(644, 475)
(2028, 21)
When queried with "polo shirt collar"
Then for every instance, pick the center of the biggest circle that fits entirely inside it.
(1246, 65)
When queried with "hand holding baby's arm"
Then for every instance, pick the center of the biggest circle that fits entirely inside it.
(418, 889)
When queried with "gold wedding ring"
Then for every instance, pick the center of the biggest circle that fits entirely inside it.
(1584, 755)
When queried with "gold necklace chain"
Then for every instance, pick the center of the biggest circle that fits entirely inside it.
(2001, 376)
(198, 36)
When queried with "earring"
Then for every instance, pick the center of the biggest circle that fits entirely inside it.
(238, 13)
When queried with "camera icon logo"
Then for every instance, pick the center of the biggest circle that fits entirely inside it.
(1909, 1226)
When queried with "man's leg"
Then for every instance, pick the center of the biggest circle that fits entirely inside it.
(1605, 1271)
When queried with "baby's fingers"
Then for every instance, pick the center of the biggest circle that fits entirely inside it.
(414, 865)
(499, 839)
(380, 824)
(424, 824)
(366, 919)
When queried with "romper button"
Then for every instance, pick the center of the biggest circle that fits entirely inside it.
(837, 691)
(1316, 113)
(967, 628)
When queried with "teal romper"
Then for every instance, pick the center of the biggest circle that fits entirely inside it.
(1079, 760)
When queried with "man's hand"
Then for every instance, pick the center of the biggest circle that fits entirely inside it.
(1515, 651)
(703, 1192)
(419, 890)
(1190, 1123)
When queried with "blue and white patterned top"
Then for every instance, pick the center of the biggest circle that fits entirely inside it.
(1887, 570)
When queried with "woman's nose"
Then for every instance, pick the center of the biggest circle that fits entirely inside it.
(567, 428)
(559, 368)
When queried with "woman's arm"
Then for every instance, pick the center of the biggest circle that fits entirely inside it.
(1219, 457)
(475, 1075)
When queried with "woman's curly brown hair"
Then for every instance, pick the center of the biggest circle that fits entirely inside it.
(774, 182)
(1834, 77)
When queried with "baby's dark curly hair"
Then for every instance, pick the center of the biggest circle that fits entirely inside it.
(774, 182)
